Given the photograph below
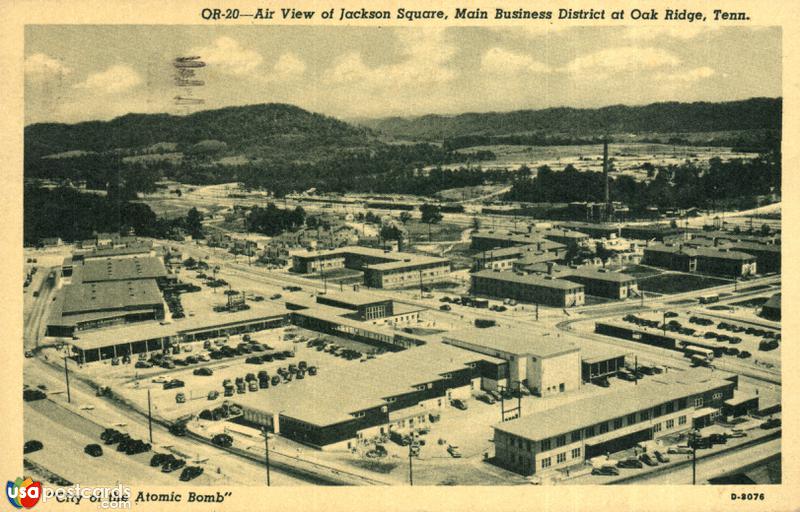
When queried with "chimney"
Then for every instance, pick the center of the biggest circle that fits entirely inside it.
(550, 266)
(606, 195)
(716, 241)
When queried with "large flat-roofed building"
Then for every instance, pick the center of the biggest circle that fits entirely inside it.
(106, 292)
(658, 232)
(145, 337)
(398, 391)
(568, 237)
(597, 281)
(488, 240)
(567, 435)
(528, 288)
(382, 269)
(595, 230)
(546, 364)
(505, 258)
(720, 261)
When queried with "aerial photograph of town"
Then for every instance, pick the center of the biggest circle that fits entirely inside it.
(362, 256)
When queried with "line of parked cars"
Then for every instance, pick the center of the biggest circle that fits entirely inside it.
(125, 443)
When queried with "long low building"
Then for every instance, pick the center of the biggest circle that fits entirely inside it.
(382, 269)
(597, 281)
(569, 434)
(396, 391)
(505, 258)
(705, 260)
(528, 288)
(146, 337)
(543, 363)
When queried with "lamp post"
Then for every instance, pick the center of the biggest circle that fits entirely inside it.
(694, 436)
(266, 452)
(66, 376)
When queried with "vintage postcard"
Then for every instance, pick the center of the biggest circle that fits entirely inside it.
(399, 256)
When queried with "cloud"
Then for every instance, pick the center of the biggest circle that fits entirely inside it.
(115, 79)
(682, 32)
(226, 55)
(425, 56)
(690, 76)
(622, 59)
(499, 61)
(40, 66)
(289, 66)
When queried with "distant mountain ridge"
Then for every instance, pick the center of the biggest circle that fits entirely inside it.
(253, 130)
(668, 117)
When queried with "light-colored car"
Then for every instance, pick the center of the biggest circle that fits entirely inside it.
(161, 379)
(454, 451)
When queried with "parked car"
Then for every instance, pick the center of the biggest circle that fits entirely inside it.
(223, 440)
(771, 423)
(143, 364)
(173, 465)
(180, 398)
(605, 471)
(630, 463)
(178, 429)
(660, 457)
(679, 450)
(454, 451)
(95, 450)
(735, 433)
(203, 371)
(744, 354)
(174, 383)
(486, 398)
(32, 446)
(459, 404)
(647, 459)
(602, 382)
(626, 375)
(190, 473)
(445, 307)
(158, 459)
(718, 438)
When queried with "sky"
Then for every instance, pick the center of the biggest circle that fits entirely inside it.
(80, 73)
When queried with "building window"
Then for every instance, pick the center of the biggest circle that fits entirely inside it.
(545, 445)
(561, 457)
(576, 436)
(631, 419)
(644, 415)
(618, 423)
(657, 411)
(682, 420)
(717, 396)
(670, 423)
(576, 452)
(604, 427)
(546, 462)
(657, 427)
(681, 403)
(698, 402)
(528, 443)
(561, 440)
(670, 407)
(589, 431)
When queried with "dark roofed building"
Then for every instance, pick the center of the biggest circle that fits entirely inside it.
(771, 309)
(529, 288)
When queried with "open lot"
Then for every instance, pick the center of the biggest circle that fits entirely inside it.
(674, 282)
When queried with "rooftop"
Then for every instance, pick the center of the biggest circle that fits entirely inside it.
(706, 252)
(529, 279)
(582, 413)
(119, 269)
(589, 272)
(335, 393)
(104, 295)
(512, 341)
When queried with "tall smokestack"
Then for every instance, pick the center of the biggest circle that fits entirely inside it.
(607, 196)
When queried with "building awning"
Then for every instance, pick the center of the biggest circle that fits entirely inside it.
(703, 412)
(740, 399)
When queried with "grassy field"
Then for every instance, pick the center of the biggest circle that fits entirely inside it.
(678, 283)
(641, 271)
(441, 232)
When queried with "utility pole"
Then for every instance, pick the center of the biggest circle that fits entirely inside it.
(636, 370)
(149, 417)
(420, 284)
(66, 375)
(693, 435)
(410, 466)
(266, 452)
(664, 322)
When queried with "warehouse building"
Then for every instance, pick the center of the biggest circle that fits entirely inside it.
(382, 269)
(569, 434)
(545, 364)
(771, 310)
(568, 237)
(528, 288)
(705, 260)
(488, 240)
(659, 232)
(598, 230)
(397, 391)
